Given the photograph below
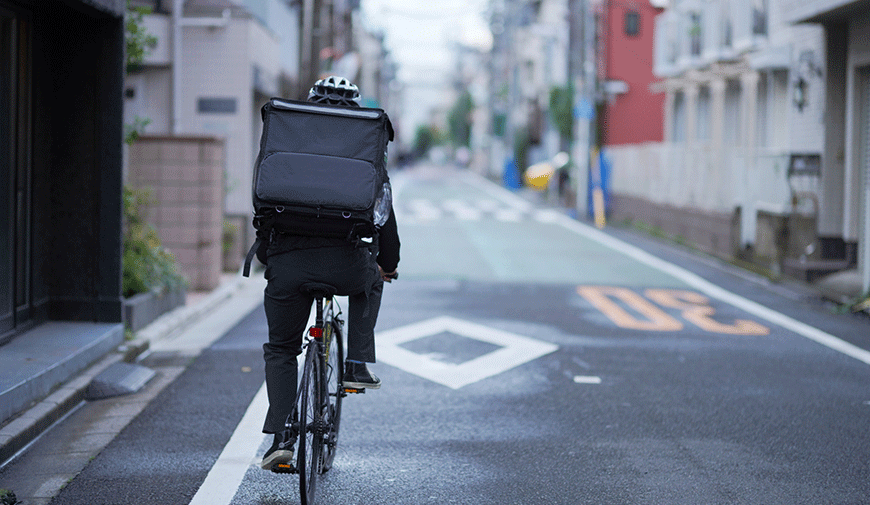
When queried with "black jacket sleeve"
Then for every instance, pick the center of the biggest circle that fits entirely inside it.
(388, 244)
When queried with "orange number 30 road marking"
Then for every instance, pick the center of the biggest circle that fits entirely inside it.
(694, 308)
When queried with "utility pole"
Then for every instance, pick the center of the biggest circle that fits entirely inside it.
(579, 84)
(582, 75)
(306, 43)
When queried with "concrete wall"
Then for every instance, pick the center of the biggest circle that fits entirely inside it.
(714, 232)
(703, 189)
(184, 176)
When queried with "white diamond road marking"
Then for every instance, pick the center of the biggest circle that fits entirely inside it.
(515, 350)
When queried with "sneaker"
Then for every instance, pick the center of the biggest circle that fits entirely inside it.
(281, 453)
(357, 376)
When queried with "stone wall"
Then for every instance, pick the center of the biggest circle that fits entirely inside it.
(185, 178)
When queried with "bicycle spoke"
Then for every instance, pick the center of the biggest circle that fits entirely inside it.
(311, 432)
(334, 368)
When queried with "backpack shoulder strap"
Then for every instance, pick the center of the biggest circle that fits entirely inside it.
(246, 270)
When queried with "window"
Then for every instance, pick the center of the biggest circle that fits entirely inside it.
(727, 35)
(632, 23)
(679, 118)
(759, 17)
(695, 35)
(216, 106)
(703, 119)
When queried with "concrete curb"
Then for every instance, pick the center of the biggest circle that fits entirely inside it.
(177, 320)
(30, 424)
(25, 428)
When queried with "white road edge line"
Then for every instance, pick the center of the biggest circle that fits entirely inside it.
(225, 477)
(702, 285)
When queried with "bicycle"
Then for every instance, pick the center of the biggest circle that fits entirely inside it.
(317, 413)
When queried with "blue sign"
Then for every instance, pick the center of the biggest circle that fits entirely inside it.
(584, 110)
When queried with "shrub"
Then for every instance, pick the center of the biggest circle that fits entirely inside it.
(147, 266)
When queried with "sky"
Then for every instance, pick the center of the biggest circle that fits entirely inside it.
(419, 35)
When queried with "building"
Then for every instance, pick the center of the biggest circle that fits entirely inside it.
(217, 62)
(214, 65)
(529, 58)
(631, 112)
(738, 171)
(844, 202)
(61, 126)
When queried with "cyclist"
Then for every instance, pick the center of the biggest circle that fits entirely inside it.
(356, 271)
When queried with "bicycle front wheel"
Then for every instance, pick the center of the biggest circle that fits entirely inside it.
(308, 459)
(334, 373)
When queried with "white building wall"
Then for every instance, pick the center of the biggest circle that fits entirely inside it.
(732, 123)
(808, 60)
(858, 59)
(216, 65)
(803, 9)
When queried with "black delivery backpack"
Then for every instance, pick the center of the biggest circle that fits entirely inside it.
(320, 170)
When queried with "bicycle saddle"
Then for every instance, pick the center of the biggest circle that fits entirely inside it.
(318, 289)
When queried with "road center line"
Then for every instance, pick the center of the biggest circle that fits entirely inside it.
(225, 477)
(702, 285)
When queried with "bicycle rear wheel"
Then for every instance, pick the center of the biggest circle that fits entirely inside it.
(308, 460)
(334, 373)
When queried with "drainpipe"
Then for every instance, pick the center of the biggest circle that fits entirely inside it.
(865, 246)
(177, 15)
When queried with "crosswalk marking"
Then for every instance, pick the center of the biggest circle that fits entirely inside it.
(421, 210)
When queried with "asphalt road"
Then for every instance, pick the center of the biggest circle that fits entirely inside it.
(526, 359)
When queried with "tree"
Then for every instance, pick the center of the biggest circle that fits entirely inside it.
(562, 110)
(139, 41)
(459, 120)
(424, 138)
(146, 264)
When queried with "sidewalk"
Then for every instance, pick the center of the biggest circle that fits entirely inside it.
(34, 364)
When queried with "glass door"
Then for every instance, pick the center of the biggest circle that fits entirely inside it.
(864, 169)
(15, 173)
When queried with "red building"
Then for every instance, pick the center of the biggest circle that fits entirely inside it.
(632, 113)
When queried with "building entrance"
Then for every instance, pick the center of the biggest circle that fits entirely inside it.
(864, 170)
(15, 174)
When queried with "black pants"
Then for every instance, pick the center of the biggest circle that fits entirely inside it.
(354, 272)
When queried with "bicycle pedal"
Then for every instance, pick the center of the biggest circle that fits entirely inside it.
(355, 390)
(283, 468)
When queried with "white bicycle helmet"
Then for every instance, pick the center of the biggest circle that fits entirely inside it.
(336, 91)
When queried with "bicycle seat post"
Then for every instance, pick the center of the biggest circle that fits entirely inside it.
(318, 303)
(319, 292)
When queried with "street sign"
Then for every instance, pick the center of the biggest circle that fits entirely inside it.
(584, 110)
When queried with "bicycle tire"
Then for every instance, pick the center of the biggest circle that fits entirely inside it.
(308, 459)
(334, 372)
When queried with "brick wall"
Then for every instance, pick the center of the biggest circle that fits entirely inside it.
(185, 177)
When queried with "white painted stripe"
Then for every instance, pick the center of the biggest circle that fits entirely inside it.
(226, 475)
(697, 282)
(587, 379)
(514, 350)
